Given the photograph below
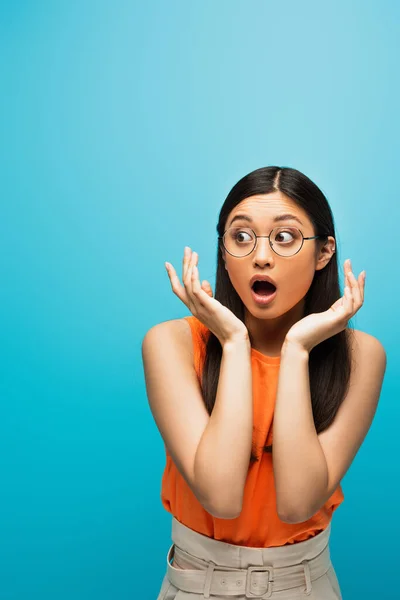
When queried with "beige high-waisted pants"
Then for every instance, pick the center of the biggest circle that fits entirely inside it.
(200, 567)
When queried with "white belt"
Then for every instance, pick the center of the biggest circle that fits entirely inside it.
(253, 582)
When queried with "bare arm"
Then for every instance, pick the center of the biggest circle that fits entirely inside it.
(298, 460)
(222, 457)
(211, 452)
(308, 467)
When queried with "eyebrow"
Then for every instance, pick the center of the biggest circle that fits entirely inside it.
(276, 219)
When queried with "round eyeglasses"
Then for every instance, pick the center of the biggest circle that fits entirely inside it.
(284, 241)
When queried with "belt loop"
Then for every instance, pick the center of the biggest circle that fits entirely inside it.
(169, 554)
(307, 576)
(207, 583)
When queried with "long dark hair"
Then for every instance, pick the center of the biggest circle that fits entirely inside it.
(329, 361)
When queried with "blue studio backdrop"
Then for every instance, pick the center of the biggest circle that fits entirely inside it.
(123, 126)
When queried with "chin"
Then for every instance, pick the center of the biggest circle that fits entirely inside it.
(272, 311)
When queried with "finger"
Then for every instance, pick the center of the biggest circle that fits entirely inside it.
(177, 288)
(337, 304)
(348, 301)
(195, 280)
(347, 266)
(355, 290)
(343, 298)
(361, 282)
(347, 293)
(196, 287)
(200, 295)
(185, 262)
(347, 279)
(205, 283)
(188, 264)
(346, 269)
(207, 287)
(188, 278)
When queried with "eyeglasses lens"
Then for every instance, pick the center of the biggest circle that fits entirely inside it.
(240, 241)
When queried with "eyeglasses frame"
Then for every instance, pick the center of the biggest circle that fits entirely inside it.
(314, 237)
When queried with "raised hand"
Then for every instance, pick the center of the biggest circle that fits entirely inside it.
(200, 301)
(317, 327)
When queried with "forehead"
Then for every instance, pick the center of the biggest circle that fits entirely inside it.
(262, 208)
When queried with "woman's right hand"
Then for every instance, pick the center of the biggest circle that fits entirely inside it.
(199, 299)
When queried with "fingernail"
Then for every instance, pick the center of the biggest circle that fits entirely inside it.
(167, 265)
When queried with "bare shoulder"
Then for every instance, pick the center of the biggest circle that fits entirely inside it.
(175, 396)
(366, 347)
(368, 357)
(174, 330)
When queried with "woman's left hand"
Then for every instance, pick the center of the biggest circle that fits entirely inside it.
(317, 327)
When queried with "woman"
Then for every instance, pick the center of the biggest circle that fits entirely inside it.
(271, 354)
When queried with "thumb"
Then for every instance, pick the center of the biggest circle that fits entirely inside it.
(207, 287)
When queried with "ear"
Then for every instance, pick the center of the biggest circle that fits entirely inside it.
(325, 253)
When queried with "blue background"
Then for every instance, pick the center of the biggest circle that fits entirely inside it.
(123, 126)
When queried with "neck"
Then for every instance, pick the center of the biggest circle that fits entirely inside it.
(268, 334)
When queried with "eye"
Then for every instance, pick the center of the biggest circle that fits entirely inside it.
(280, 236)
(241, 235)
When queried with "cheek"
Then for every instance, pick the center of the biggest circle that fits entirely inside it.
(297, 284)
(238, 280)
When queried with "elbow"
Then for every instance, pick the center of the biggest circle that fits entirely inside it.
(224, 506)
(226, 511)
(292, 516)
(225, 514)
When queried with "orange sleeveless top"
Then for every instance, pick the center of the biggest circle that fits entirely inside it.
(258, 524)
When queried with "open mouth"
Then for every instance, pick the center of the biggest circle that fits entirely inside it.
(263, 288)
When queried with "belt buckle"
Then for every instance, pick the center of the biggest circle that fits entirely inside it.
(248, 592)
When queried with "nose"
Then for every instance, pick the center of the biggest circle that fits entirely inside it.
(263, 253)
